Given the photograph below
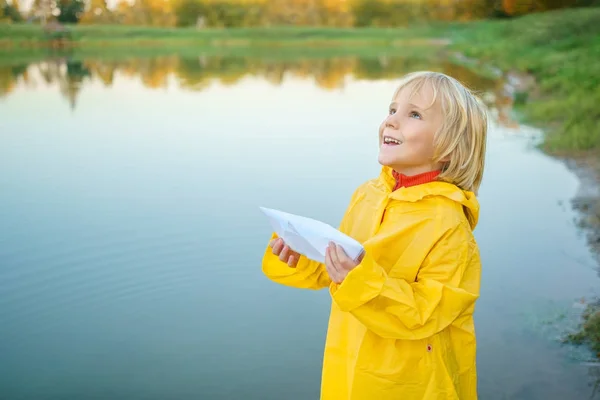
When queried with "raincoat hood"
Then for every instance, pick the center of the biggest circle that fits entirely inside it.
(436, 188)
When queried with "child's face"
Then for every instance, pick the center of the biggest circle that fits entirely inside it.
(411, 123)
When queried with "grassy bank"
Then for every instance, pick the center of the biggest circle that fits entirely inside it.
(562, 51)
(88, 35)
(23, 54)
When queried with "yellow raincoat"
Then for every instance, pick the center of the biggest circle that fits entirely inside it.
(401, 323)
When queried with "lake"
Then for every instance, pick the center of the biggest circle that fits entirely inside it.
(132, 239)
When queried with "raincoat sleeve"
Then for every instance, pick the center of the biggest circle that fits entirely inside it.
(447, 284)
(307, 274)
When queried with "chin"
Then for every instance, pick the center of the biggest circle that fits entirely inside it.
(384, 161)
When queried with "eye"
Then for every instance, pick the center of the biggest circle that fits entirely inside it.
(414, 114)
(392, 111)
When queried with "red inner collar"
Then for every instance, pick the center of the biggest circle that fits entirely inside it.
(419, 179)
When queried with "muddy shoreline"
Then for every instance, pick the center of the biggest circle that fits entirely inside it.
(585, 165)
(587, 200)
(585, 203)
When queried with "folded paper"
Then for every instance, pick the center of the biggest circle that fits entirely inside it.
(310, 237)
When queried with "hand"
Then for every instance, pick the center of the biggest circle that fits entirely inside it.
(284, 252)
(337, 263)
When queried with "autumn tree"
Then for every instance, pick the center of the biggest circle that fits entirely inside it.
(335, 13)
(42, 9)
(293, 12)
(221, 13)
(122, 12)
(387, 13)
(187, 12)
(148, 12)
(521, 7)
(370, 12)
(10, 11)
(96, 11)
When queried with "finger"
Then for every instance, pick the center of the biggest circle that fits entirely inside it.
(330, 265)
(285, 253)
(339, 250)
(277, 246)
(292, 260)
(343, 259)
(334, 255)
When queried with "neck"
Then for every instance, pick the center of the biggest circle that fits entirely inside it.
(403, 180)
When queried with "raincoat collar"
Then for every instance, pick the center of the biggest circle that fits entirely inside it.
(434, 188)
(408, 181)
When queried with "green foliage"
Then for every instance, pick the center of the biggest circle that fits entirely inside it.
(392, 13)
(188, 11)
(589, 332)
(561, 49)
(9, 12)
(358, 13)
(521, 98)
(70, 11)
(223, 14)
(114, 34)
(372, 12)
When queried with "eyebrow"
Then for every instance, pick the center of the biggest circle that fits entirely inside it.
(394, 104)
(416, 106)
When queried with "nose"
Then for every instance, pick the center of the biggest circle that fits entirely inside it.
(391, 121)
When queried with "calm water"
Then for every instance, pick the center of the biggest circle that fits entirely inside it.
(131, 239)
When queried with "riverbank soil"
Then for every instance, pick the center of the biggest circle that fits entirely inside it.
(587, 203)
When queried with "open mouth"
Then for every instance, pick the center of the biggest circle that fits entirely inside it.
(391, 141)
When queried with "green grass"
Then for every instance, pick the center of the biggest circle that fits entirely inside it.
(561, 49)
(113, 34)
(26, 43)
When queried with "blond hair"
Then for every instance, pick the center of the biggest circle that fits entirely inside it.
(460, 143)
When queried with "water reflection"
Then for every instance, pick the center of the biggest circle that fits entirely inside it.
(116, 253)
(197, 73)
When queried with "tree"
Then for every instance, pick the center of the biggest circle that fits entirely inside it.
(10, 11)
(520, 7)
(188, 11)
(96, 11)
(70, 11)
(42, 10)
(122, 13)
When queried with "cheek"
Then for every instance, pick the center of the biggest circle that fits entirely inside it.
(425, 146)
(421, 138)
